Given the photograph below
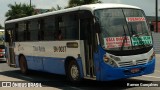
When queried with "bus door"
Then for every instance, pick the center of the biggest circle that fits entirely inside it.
(10, 47)
(86, 36)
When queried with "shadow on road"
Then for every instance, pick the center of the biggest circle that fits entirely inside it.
(59, 81)
(2, 61)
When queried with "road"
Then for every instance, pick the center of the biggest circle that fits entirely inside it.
(58, 82)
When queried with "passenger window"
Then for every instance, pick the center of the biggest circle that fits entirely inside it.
(68, 26)
(49, 28)
(33, 30)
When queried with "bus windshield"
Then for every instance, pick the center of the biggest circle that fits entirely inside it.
(123, 29)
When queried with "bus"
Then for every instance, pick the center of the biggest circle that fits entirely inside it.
(2, 46)
(101, 42)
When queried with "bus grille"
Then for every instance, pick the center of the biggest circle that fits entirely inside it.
(130, 63)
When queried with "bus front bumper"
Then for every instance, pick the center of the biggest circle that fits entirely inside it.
(109, 73)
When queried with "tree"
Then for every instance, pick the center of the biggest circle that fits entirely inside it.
(57, 8)
(1, 27)
(91, 1)
(73, 3)
(19, 10)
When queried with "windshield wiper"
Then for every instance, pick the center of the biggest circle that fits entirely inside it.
(137, 35)
(124, 39)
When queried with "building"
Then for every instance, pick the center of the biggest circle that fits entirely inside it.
(152, 20)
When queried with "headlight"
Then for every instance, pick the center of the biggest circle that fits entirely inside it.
(109, 61)
(105, 58)
(115, 58)
(152, 56)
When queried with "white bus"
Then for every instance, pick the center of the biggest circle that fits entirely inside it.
(98, 41)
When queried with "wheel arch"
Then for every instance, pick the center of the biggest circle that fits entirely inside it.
(78, 61)
(23, 64)
(21, 54)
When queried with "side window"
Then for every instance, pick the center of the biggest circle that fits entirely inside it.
(33, 28)
(85, 24)
(59, 34)
(71, 25)
(16, 32)
(49, 28)
(41, 25)
(26, 31)
(67, 27)
(8, 28)
(21, 29)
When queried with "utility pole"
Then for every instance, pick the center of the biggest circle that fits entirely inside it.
(30, 3)
(156, 15)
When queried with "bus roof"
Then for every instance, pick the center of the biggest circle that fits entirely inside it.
(90, 7)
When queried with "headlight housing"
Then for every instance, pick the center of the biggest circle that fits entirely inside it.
(110, 61)
(152, 56)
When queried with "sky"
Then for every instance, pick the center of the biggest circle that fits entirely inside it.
(147, 5)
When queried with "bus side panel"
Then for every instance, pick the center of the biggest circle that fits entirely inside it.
(46, 64)
(54, 65)
(17, 61)
(34, 63)
(47, 56)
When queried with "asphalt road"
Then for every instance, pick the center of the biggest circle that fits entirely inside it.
(58, 82)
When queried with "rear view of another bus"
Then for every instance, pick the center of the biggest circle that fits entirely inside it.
(2, 46)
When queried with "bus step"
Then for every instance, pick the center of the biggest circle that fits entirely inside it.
(13, 65)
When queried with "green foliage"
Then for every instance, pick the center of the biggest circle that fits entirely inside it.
(19, 10)
(57, 8)
(73, 3)
(1, 27)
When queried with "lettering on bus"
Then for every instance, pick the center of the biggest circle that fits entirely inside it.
(135, 19)
(20, 48)
(39, 48)
(59, 48)
(114, 42)
(146, 40)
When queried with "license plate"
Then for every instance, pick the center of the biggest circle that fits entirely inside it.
(135, 70)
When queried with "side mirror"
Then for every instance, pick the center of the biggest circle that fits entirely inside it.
(97, 27)
(151, 27)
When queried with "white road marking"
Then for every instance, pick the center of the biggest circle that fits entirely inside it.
(26, 77)
(77, 88)
(151, 76)
(157, 70)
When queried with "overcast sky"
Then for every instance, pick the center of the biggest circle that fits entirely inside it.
(147, 5)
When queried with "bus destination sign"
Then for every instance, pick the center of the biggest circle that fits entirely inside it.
(143, 40)
(114, 42)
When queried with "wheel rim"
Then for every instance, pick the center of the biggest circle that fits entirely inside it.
(74, 72)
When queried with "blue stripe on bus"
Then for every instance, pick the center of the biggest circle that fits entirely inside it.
(48, 64)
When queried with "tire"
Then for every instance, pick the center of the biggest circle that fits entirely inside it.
(73, 73)
(23, 64)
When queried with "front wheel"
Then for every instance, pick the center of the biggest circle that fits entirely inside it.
(73, 73)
